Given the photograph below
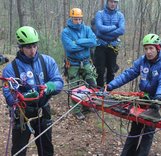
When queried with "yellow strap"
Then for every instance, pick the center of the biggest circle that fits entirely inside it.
(115, 49)
(22, 117)
(27, 120)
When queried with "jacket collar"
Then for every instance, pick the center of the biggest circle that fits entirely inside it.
(22, 57)
(110, 11)
(74, 26)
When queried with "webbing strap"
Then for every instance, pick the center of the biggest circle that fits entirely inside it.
(44, 69)
(15, 68)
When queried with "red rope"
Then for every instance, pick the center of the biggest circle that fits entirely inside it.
(5, 79)
(21, 99)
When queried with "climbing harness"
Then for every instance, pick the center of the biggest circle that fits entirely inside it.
(13, 84)
(114, 48)
(54, 123)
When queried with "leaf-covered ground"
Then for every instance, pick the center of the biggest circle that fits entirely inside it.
(78, 138)
(72, 137)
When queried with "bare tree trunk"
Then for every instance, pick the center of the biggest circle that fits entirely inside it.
(10, 26)
(45, 25)
(66, 6)
(157, 17)
(21, 13)
(33, 11)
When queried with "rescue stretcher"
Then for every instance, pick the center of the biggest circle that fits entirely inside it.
(129, 107)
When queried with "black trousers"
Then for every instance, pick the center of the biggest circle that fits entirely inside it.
(105, 58)
(131, 147)
(20, 138)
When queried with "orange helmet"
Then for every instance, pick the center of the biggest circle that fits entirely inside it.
(76, 12)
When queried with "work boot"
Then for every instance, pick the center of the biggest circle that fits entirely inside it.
(79, 116)
(151, 114)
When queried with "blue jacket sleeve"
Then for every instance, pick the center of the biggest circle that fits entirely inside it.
(158, 91)
(120, 28)
(69, 44)
(125, 77)
(54, 75)
(100, 26)
(89, 41)
(10, 98)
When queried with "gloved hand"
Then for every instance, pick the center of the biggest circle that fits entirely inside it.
(50, 88)
(31, 94)
(146, 96)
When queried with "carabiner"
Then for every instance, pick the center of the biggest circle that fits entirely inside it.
(30, 128)
(13, 83)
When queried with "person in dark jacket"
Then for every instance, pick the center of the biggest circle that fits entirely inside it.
(148, 67)
(31, 71)
(110, 24)
(77, 39)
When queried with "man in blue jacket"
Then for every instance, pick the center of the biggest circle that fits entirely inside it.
(110, 24)
(77, 39)
(148, 68)
(34, 70)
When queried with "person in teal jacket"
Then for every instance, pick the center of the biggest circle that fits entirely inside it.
(148, 68)
(30, 69)
(77, 39)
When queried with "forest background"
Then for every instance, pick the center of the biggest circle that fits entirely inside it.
(49, 17)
